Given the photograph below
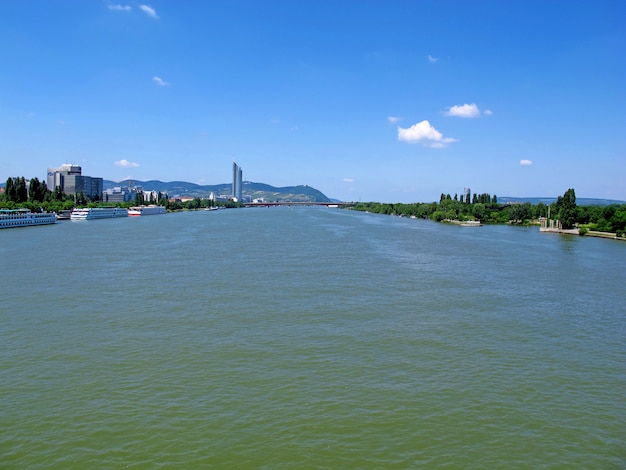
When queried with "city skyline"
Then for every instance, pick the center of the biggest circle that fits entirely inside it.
(383, 101)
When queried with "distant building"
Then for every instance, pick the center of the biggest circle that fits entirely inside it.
(467, 194)
(237, 182)
(118, 194)
(70, 180)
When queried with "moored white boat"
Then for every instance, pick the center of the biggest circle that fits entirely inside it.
(90, 213)
(25, 218)
(470, 223)
(146, 210)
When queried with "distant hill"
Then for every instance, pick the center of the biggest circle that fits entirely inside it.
(302, 193)
(580, 201)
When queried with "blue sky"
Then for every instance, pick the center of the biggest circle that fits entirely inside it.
(393, 101)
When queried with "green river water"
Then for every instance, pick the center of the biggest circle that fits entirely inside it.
(309, 338)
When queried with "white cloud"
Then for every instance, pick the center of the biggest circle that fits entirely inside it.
(120, 7)
(487, 112)
(159, 81)
(525, 162)
(126, 164)
(348, 180)
(432, 59)
(394, 119)
(148, 10)
(464, 111)
(425, 133)
(294, 129)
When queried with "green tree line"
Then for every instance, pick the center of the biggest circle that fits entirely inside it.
(38, 198)
(486, 209)
(197, 203)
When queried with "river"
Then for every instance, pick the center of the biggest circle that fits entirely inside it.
(285, 338)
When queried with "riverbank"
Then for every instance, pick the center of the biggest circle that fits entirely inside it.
(609, 235)
(586, 233)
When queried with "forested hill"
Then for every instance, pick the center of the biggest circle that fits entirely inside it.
(302, 193)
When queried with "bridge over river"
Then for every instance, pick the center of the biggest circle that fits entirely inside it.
(271, 204)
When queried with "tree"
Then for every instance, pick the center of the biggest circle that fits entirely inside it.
(195, 203)
(33, 189)
(541, 210)
(478, 211)
(37, 191)
(58, 195)
(9, 191)
(81, 200)
(22, 192)
(15, 190)
(518, 213)
(566, 209)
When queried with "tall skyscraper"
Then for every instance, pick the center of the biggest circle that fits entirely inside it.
(467, 193)
(237, 179)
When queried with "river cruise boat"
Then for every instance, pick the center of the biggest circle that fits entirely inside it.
(98, 213)
(25, 218)
(146, 210)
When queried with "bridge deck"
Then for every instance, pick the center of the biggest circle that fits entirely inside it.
(269, 204)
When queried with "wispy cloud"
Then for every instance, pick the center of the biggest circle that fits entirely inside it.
(432, 59)
(148, 10)
(348, 180)
(120, 7)
(425, 133)
(525, 162)
(394, 119)
(487, 112)
(126, 164)
(159, 81)
(464, 111)
(294, 129)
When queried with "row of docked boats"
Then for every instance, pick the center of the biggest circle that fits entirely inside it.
(26, 218)
(114, 212)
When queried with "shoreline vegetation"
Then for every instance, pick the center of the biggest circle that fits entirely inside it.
(562, 216)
